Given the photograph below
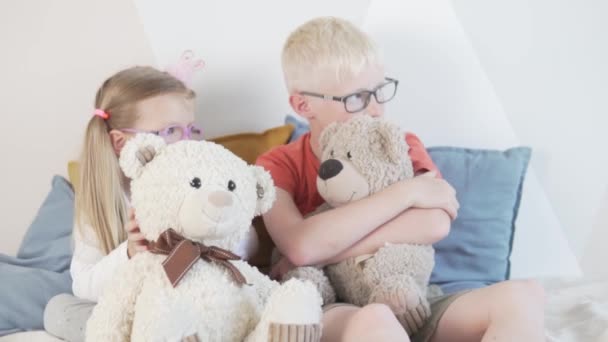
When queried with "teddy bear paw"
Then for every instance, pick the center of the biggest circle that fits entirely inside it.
(279, 332)
(406, 300)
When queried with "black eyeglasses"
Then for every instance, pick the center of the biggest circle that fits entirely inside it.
(358, 101)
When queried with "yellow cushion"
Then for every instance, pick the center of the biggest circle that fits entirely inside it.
(247, 146)
(73, 173)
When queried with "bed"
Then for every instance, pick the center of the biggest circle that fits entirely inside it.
(576, 308)
(576, 311)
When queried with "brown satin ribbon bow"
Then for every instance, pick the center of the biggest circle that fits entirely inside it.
(183, 253)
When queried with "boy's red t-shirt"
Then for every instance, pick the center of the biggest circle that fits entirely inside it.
(294, 169)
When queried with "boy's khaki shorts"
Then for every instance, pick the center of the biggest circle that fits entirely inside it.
(439, 305)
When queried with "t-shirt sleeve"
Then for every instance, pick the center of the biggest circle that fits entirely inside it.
(421, 159)
(90, 268)
(281, 168)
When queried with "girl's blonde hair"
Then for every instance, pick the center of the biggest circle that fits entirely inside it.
(100, 199)
(326, 49)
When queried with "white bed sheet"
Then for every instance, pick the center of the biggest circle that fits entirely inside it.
(29, 336)
(576, 311)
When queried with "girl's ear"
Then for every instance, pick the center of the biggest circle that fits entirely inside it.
(139, 151)
(119, 139)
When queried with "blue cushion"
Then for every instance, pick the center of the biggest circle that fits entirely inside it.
(41, 268)
(301, 127)
(488, 184)
(47, 242)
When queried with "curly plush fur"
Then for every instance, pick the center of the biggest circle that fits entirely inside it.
(360, 157)
(207, 194)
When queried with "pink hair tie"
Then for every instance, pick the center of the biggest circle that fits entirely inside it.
(101, 113)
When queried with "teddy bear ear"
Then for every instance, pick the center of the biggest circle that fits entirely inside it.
(138, 152)
(392, 140)
(327, 134)
(266, 192)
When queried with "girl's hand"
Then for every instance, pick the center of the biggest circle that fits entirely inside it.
(136, 243)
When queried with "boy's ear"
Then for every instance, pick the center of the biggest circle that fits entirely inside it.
(266, 191)
(299, 103)
(139, 151)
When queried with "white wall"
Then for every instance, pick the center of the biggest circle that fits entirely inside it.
(241, 87)
(447, 98)
(535, 69)
(54, 56)
(595, 253)
(547, 62)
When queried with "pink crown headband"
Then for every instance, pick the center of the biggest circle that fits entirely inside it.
(185, 67)
(183, 70)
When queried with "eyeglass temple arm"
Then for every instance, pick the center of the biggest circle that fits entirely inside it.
(321, 96)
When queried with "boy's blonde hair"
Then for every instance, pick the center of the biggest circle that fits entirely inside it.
(326, 49)
(100, 200)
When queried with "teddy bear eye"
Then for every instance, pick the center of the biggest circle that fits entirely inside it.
(231, 185)
(331, 153)
(348, 155)
(195, 183)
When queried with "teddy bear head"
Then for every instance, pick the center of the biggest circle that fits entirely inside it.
(199, 189)
(360, 157)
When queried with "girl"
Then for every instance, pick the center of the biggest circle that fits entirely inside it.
(106, 235)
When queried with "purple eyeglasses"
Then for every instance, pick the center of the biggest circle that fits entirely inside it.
(173, 133)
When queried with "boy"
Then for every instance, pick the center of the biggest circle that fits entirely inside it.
(333, 71)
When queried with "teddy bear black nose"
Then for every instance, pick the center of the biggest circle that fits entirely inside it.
(329, 169)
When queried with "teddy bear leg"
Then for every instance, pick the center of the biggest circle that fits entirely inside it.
(318, 278)
(348, 280)
(407, 259)
(292, 313)
(405, 298)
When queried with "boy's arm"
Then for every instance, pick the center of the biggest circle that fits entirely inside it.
(324, 236)
(419, 226)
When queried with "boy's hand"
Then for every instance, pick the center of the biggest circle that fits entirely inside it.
(136, 243)
(281, 268)
(428, 192)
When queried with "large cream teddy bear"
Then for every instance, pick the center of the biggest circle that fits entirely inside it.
(361, 157)
(195, 201)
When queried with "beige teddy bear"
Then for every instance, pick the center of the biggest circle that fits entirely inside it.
(360, 157)
(194, 201)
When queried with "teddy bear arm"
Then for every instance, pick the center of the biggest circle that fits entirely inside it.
(291, 313)
(262, 284)
(112, 317)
